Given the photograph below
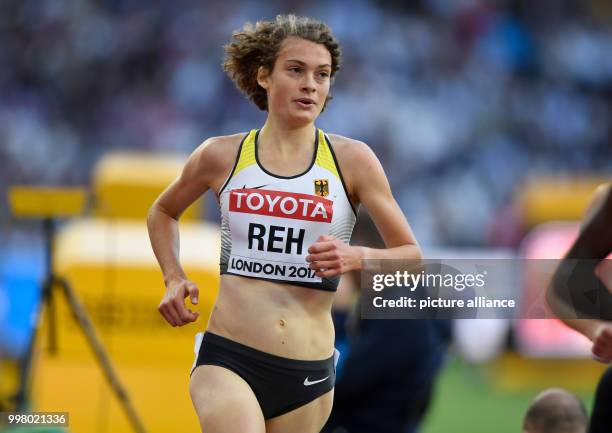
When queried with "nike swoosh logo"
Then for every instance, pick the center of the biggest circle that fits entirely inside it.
(308, 382)
(254, 187)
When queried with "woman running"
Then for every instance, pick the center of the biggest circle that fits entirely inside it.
(288, 194)
(585, 270)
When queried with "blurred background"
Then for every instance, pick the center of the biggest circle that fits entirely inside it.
(492, 120)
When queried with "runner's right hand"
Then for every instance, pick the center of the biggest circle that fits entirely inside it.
(172, 307)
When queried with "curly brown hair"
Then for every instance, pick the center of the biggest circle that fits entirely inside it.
(258, 45)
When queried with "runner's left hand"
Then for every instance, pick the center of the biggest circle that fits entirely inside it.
(330, 257)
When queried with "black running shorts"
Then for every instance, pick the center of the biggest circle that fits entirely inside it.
(280, 384)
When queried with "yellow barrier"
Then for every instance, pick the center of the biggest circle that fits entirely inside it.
(512, 372)
(46, 202)
(112, 268)
(126, 184)
(9, 373)
(545, 199)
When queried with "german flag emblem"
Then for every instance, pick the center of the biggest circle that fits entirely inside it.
(321, 187)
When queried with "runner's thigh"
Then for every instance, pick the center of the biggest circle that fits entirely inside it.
(309, 418)
(224, 402)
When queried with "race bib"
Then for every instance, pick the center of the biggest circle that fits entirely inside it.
(272, 230)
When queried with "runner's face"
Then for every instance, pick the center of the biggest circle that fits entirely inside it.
(299, 84)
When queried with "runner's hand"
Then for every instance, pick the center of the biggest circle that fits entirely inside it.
(602, 344)
(172, 306)
(330, 257)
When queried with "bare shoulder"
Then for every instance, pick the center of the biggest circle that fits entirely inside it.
(218, 150)
(214, 158)
(354, 157)
(600, 203)
(350, 149)
(356, 161)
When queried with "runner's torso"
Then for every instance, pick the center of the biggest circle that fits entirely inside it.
(269, 221)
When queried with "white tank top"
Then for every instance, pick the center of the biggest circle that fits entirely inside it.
(269, 221)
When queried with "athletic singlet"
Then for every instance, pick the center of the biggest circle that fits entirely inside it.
(269, 221)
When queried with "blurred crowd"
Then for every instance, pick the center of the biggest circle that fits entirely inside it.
(460, 100)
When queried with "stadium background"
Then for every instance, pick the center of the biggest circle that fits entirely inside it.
(490, 118)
